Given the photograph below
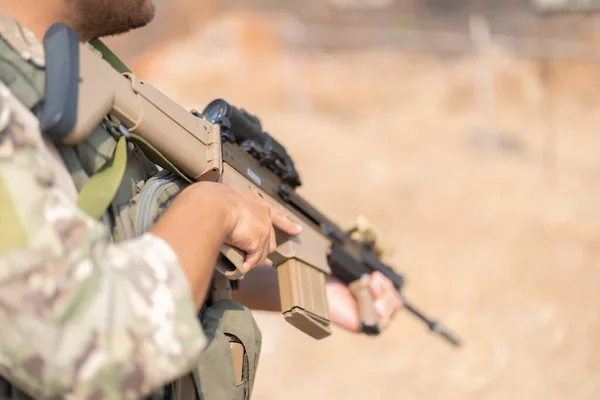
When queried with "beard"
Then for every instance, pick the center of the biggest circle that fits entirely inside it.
(98, 18)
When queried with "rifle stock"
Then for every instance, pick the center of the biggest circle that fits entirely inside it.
(224, 144)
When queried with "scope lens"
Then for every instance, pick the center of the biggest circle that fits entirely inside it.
(216, 110)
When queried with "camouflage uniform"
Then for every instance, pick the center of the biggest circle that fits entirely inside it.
(81, 315)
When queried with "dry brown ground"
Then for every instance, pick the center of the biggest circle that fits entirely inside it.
(503, 246)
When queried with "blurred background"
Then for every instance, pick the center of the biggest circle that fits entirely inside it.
(468, 131)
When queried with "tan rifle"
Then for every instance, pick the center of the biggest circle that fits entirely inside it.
(227, 145)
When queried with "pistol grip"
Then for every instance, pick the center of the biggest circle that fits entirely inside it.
(369, 322)
(235, 268)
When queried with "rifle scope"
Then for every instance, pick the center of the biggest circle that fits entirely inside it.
(246, 130)
(243, 125)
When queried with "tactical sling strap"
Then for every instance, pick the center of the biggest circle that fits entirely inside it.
(25, 79)
(108, 55)
(99, 191)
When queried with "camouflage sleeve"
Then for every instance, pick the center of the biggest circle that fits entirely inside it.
(80, 316)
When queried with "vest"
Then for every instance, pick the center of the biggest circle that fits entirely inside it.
(142, 192)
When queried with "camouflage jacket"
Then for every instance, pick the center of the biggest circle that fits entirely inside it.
(82, 316)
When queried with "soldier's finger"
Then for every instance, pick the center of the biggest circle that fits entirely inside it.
(272, 242)
(255, 259)
(388, 305)
(284, 224)
(378, 285)
(383, 314)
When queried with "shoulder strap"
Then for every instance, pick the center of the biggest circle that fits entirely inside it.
(24, 78)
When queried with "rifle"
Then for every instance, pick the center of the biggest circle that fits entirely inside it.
(227, 145)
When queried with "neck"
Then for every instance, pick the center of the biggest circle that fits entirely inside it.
(35, 15)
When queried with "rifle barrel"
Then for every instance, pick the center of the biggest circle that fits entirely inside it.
(434, 326)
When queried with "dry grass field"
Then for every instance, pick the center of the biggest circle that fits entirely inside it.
(500, 241)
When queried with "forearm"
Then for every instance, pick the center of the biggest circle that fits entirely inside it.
(196, 245)
(259, 290)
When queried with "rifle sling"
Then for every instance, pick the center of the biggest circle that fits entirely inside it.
(99, 191)
(156, 156)
(108, 56)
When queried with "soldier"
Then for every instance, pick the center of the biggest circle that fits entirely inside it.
(96, 309)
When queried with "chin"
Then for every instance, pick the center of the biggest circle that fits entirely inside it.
(145, 12)
(149, 5)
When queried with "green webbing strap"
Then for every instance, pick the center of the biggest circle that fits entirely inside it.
(109, 56)
(156, 156)
(99, 191)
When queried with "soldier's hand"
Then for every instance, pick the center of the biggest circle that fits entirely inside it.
(207, 214)
(254, 220)
(343, 308)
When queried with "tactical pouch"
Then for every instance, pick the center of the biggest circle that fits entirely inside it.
(228, 366)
